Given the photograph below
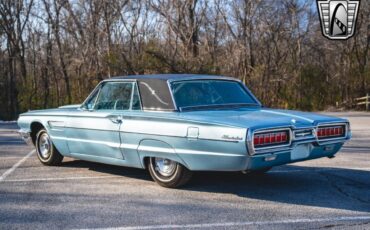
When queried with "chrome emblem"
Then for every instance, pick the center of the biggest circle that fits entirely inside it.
(293, 121)
(338, 18)
(232, 138)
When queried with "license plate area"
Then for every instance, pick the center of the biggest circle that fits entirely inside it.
(300, 151)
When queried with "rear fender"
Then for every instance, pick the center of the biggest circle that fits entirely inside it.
(156, 148)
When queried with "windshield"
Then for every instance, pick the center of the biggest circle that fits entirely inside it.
(198, 94)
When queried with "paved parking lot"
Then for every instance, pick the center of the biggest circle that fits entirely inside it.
(323, 193)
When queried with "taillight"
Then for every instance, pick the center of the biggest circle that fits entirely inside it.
(331, 131)
(271, 138)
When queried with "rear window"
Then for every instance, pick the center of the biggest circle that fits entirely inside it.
(205, 93)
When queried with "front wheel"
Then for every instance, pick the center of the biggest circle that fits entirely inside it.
(46, 152)
(168, 173)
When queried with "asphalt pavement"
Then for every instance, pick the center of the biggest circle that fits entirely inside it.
(318, 194)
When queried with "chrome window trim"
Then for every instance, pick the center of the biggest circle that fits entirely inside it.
(96, 99)
(171, 93)
(132, 95)
(152, 109)
(97, 88)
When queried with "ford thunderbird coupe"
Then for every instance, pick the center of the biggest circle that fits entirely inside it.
(174, 125)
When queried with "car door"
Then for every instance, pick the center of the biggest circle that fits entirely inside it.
(94, 130)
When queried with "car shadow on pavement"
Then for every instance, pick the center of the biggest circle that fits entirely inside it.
(108, 169)
(336, 188)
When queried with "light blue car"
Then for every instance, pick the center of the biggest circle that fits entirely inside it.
(173, 125)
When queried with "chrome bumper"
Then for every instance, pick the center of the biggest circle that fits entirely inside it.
(26, 136)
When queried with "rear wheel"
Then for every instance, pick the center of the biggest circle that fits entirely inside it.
(168, 173)
(46, 152)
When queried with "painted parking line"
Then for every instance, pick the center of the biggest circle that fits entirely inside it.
(356, 148)
(318, 170)
(10, 158)
(15, 166)
(12, 141)
(360, 138)
(8, 131)
(62, 178)
(242, 224)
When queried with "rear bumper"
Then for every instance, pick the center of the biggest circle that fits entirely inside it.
(230, 162)
(26, 136)
(280, 158)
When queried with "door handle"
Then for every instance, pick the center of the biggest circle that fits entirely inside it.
(116, 119)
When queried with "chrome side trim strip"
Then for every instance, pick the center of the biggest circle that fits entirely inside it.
(195, 152)
(186, 151)
(110, 144)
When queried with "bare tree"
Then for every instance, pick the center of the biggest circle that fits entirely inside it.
(54, 52)
(14, 17)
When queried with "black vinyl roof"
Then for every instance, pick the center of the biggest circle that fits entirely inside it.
(154, 89)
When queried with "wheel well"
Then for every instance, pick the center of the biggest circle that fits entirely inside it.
(35, 128)
(146, 162)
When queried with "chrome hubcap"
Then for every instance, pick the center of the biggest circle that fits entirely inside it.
(44, 145)
(164, 167)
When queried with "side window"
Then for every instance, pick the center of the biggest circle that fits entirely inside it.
(136, 104)
(114, 96)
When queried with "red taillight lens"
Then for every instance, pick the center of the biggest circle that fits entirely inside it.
(267, 138)
(278, 137)
(319, 132)
(256, 140)
(284, 137)
(271, 138)
(261, 140)
(331, 132)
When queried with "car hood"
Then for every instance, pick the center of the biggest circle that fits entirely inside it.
(261, 118)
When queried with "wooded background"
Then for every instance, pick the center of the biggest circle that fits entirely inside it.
(54, 52)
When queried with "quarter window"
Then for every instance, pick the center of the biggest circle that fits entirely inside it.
(136, 104)
(89, 104)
